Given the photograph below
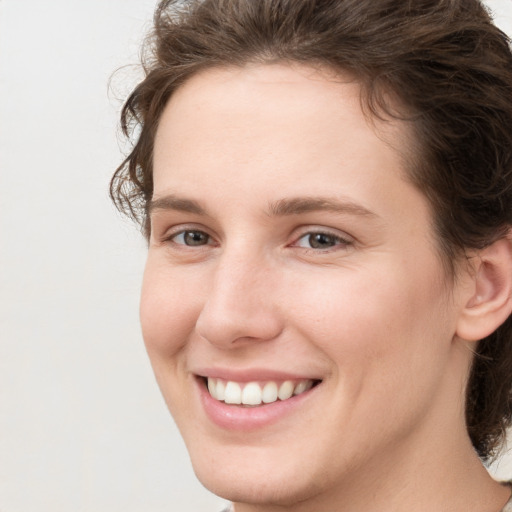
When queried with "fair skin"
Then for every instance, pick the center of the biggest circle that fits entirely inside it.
(287, 245)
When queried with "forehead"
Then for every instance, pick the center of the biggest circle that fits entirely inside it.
(279, 109)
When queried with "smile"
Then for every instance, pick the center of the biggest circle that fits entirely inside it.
(256, 393)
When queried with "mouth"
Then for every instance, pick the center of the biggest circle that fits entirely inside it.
(256, 393)
(250, 400)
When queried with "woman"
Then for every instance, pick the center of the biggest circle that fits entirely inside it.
(326, 189)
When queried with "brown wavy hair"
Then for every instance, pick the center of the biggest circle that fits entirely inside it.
(445, 61)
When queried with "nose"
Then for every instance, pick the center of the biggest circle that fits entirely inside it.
(239, 306)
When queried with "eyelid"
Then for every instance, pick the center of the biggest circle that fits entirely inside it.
(344, 239)
(181, 236)
(174, 231)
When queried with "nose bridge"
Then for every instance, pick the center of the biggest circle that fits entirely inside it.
(239, 303)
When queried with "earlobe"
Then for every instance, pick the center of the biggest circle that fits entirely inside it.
(489, 300)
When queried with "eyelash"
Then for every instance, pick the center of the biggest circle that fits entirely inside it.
(336, 240)
(173, 236)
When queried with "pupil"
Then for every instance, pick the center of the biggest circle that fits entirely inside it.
(195, 238)
(321, 240)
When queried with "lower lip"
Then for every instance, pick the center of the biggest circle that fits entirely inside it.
(236, 417)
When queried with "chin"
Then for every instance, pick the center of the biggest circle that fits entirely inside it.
(245, 480)
(259, 491)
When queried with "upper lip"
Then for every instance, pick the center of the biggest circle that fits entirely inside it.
(252, 374)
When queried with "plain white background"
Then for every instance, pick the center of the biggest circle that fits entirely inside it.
(82, 423)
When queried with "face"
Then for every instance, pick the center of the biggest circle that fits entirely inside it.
(292, 270)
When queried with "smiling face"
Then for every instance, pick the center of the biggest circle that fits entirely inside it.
(292, 267)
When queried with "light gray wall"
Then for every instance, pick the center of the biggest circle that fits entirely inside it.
(82, 424)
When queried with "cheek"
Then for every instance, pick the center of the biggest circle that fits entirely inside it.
(168, 309)
(371, 321)
(168, 314)
(388, 342)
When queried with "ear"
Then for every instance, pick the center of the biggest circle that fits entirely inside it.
(488, 301)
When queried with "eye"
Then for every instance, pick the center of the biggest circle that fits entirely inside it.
(191, 238)
(321, 241)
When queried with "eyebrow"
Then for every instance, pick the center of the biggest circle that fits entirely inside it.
(172, 202)
(279, 208)
(299, 205)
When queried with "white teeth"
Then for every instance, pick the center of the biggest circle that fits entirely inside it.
(300, 388)
(212, 388)
(220, 390)
(233, 393)
(253, 393)
(285, 390)
(269, 393)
